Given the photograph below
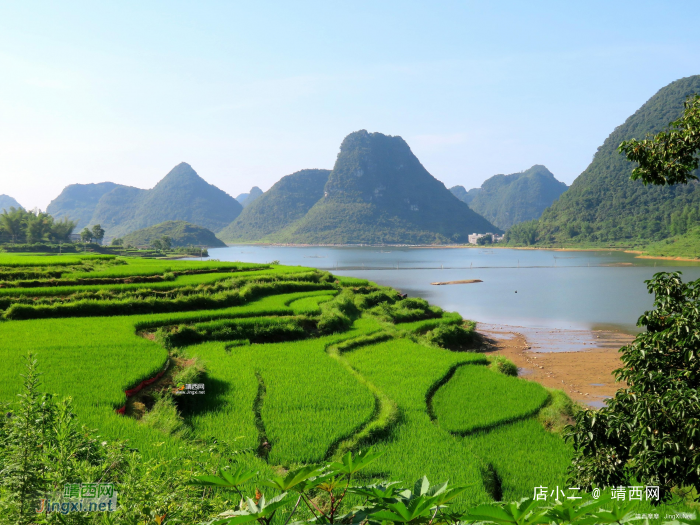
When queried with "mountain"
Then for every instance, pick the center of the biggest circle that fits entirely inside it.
(247, 198)
(379, 192)
(182, 234)
(509, 199)
(462, 194)
(181, 195)
(7, 202)
(603, 205)
(287, 201)
(78, 202)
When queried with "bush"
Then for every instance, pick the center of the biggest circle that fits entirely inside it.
(451, 336)
(332, 321)
(365, 302)
(165, 417)
(504, 366)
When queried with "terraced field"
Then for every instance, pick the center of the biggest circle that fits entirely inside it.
(298, 366)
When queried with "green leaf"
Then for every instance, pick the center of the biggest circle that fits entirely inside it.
(226, 479)
(297, 480)
(349, 465)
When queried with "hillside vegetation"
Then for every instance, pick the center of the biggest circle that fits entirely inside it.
(181, 233)
(506, 200)
(378, 192)
(283, 204)
(603, 206)
(78, 202)
(181, 195)
(247, 198)
(7, 202)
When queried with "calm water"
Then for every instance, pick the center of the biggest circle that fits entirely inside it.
(581, 290)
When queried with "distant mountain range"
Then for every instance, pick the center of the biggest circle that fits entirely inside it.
(378, 192)
(180, 232)
(181, 195)
(509, 199)
(603, 205)
(7, 202)
(247, 198)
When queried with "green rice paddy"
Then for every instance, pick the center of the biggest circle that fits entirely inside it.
(300, 366)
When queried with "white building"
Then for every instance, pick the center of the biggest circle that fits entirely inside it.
(475, 236)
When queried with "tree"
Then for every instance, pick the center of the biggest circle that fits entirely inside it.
(12, 223)
(167, 242)
(62, 230)
(486, 239)
(117, 242)
(86, 235)
(98, 233)
(650, 431)
(38, 226)
(157, 244)
(670, 157)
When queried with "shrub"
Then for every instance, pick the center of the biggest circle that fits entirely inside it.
(332, 321)
(504, 366)
(451, 336)
(374, 298)
(165, 417)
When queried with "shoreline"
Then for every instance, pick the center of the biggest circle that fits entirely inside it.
(638, 253)
(579, 362)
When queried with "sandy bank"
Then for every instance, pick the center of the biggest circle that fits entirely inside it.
(584, 370)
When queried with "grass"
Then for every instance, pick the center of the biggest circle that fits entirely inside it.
(14, 260)
(478, 398)
(178, 282)
(303, 413)
(311, 305)
(300, 366)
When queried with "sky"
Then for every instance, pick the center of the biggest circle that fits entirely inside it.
(247, 92)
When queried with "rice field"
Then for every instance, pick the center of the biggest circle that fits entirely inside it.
(477, 398)
(299, 366)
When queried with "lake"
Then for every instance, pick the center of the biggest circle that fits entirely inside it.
(529, 288)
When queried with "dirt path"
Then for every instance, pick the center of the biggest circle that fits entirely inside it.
(580, 362)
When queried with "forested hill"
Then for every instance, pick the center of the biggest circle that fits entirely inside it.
(181, 233)
(7, 202)
(462, 194)
(509, 199)
(379, 192)
(181, 195)
(287, 201)
(78, 202)
(247, 198)
(603, 205)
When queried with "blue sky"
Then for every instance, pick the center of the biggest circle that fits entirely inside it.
(247, 92)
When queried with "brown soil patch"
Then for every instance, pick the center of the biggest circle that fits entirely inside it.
(585, 375)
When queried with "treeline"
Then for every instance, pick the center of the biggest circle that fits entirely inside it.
(29, 227)
(614, 229)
